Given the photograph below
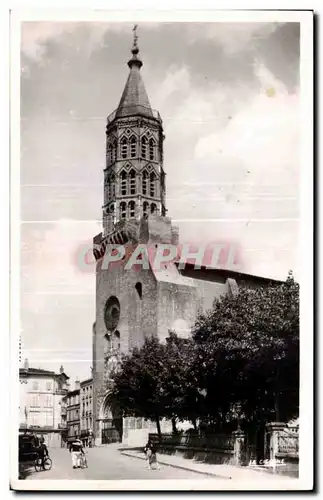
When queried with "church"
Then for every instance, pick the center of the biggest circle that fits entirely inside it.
(135, 303)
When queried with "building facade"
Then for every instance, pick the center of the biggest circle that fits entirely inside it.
(86, 410)
(135, 303)
(73, 413)
(63, 424)
(41, 393)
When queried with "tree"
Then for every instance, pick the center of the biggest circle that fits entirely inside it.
(249, 344)
(180, 379)
(246, 349)
(159, 380)
(138, 383)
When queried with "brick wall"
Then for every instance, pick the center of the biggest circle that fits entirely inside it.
(137, 316)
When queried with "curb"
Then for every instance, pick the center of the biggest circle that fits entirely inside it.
(182, 467)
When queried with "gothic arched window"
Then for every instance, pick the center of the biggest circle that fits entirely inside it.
(144, 147)
(144, 182)
(132, 176)
(124, 148)
(133, 147)
(123, 210)
(109, 188)
(145, 208)
(113, 185)
(114, 151)
(132, 209)
(153, 208)
(152, 184)
(151, 149)
(123, 177)
(109, 154)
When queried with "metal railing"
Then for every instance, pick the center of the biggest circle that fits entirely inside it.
(133, 111)
(288, 443)
(212, 441)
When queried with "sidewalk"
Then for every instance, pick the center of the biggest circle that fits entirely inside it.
(221, 471)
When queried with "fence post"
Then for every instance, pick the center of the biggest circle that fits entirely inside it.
(239, 447)
(273, 429)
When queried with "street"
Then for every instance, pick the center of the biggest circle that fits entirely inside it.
(107, 463)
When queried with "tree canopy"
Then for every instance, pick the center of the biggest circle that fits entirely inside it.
(245, 349)
(250, 346)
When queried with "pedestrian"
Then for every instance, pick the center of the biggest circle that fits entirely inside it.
(76, 449)
(151, 454)
(42, 451)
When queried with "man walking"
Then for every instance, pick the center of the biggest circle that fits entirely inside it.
(76, 450)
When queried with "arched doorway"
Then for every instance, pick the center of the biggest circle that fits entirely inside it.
(111, 421)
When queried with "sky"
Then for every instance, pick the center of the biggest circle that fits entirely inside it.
(229, 96)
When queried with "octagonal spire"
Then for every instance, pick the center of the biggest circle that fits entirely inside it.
(134, 98)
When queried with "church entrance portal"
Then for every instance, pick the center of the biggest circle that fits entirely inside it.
(111, 422)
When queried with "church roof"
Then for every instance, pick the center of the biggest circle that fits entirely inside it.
(228, 273)
(134, 99)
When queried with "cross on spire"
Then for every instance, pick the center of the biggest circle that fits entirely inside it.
(135, 61)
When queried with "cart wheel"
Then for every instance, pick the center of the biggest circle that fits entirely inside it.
(47, 463)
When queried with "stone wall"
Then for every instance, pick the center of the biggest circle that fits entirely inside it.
(176, 303)
(217, 448)
(136, 430)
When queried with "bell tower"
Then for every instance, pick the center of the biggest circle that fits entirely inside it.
(129, 300)
(134, 179)
(136, 302)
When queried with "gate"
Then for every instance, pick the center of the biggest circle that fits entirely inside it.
(111, 431)
(256, 445)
